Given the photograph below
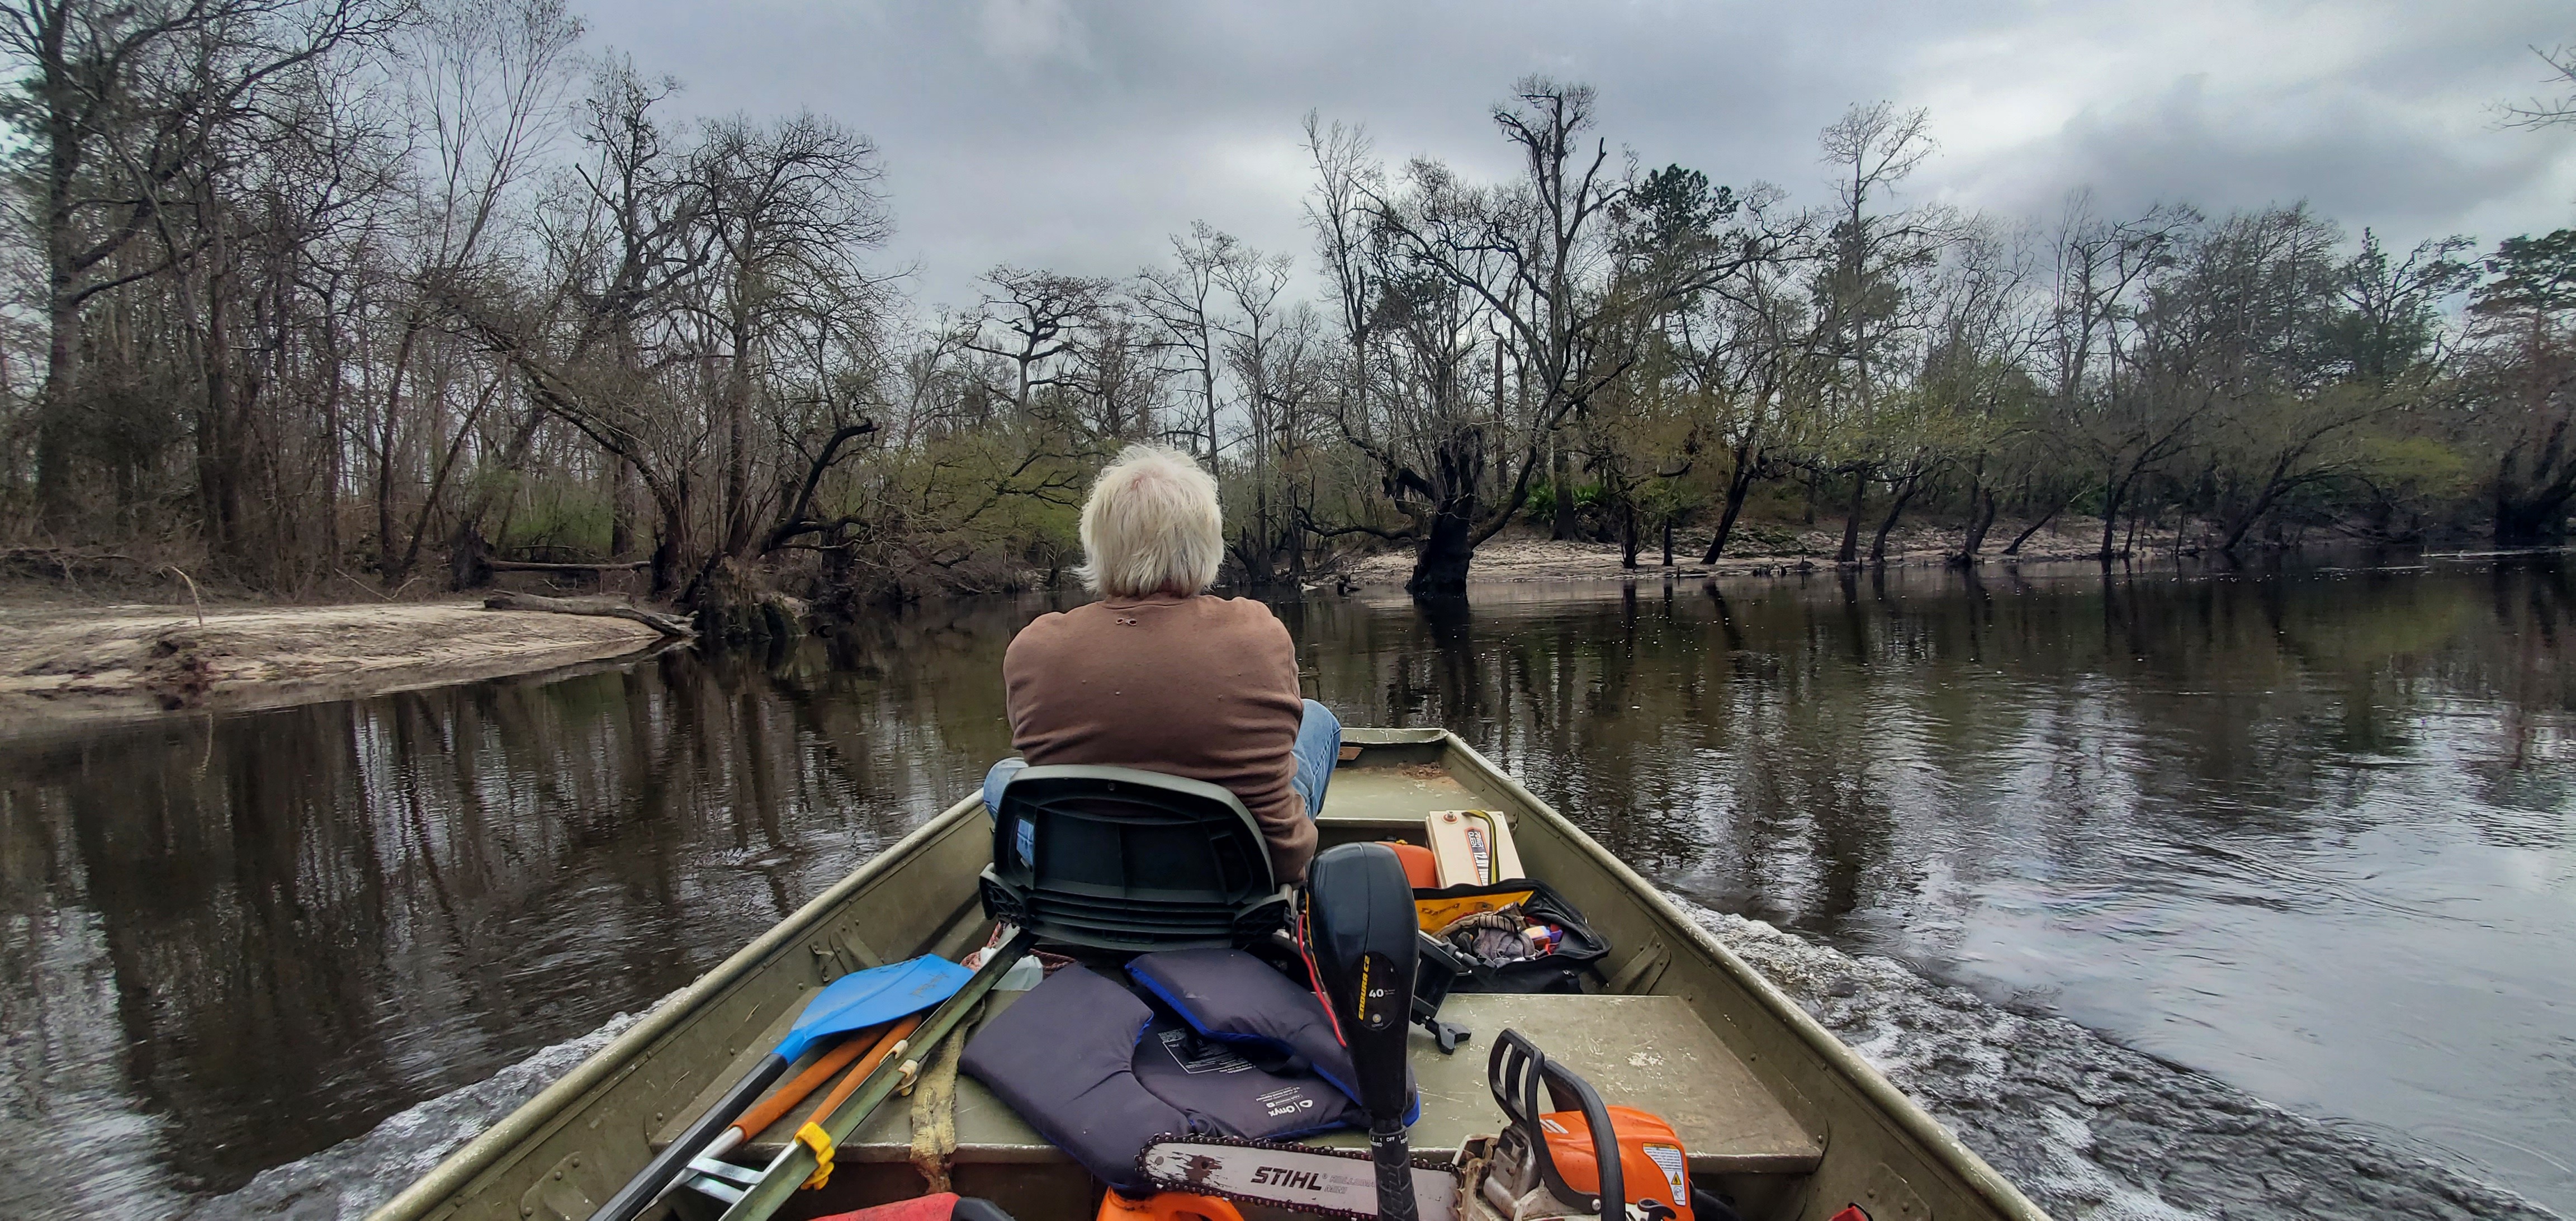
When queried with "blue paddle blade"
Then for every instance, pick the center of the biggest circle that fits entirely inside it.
(878, 994)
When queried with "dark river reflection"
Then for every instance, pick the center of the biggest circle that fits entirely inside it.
(2309, 832)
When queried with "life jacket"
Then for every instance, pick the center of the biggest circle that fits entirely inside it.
(1234, 1088)
(1237, 999)
(1090, 1065)
(1064, 1057)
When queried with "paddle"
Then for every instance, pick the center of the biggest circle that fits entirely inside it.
(852, 1002)
(811, 1151)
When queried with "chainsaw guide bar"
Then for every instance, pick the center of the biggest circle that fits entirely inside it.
(1300, 1178)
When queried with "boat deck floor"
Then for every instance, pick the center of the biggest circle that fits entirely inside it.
(1650, 1052)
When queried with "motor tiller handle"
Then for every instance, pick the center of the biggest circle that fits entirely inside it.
(1360, 935)
(1514, 1072)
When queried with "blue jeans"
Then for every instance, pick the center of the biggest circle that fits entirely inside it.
(1318, 748)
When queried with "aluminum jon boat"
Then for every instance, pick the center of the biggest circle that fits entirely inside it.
(1775, 1111)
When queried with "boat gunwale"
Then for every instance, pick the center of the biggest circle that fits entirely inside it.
(1874, 1086)
(527, 1122)
(530, 1120)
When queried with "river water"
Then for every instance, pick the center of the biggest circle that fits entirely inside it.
(2234, 894)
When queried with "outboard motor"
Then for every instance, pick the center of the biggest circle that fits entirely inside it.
(1360, 936)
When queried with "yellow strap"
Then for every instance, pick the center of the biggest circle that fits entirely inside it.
(813, 1137)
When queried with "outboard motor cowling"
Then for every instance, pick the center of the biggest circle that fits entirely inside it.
(1361, 937)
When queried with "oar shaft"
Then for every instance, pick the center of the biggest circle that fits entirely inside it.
(893, 1041)
(775, 1107)
(646, 1187)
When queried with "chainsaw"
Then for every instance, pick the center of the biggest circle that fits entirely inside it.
(1562, 1163)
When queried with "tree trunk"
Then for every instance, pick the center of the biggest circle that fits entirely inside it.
(2528, 523)
(1207, 387)
(1440, 560)
(739, 527)
(389, 562)
(2530, 513)
(621, 509)
(668, 548)
(1878, 545)
(1561, 477)
(1628, 540)
(2112, 494)
(2014, 547)
(331, 454)
(56, 433)
(674, 626)
(1739, 485)
(1668, 541)
(218, 476)
(469, 558)
(1981, 518)
(1850, 553)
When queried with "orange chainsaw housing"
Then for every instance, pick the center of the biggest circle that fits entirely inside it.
(1652, 1163)
(1165, 1206)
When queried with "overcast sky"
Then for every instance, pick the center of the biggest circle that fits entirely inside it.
(1077, 137)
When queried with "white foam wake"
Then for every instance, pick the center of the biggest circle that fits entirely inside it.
(349, 1179)
(2090, 1130)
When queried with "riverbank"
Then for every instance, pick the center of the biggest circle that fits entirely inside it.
(63, 666)
(1755, 550)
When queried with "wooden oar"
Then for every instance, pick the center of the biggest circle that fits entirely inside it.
(893, 1043)
(775, 1107)
(852, 1002)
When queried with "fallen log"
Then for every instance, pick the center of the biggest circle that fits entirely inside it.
(675, 626)
(533, 566)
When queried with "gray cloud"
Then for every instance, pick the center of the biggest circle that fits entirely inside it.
(1052, 134)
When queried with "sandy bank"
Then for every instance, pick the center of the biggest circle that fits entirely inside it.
(1516, 556)
(63, 666)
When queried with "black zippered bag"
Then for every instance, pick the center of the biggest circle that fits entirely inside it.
(1561, 971)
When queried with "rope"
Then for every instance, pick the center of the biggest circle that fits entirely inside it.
(934, 1107)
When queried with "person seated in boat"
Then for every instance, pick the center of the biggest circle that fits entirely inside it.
(1161, 675)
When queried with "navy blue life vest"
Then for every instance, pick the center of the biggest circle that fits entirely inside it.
(1091, 1066)
(1235, 998)
(1064, 1057)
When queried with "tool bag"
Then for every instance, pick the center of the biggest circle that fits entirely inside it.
(1538, 903)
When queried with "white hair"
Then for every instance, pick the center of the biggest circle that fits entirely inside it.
(1151, 526)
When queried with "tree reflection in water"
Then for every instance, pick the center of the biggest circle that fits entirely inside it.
(2260, 823)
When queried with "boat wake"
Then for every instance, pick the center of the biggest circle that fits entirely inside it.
(2091, 1130)
(350, 1179)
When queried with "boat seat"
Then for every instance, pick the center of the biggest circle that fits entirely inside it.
(1650, 1052)
(1115, 858)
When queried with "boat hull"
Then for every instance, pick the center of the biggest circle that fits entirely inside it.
(1798, 1124)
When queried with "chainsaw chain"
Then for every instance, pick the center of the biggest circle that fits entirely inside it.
(1419, 1162)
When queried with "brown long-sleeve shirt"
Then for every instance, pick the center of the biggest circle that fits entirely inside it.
(1200, 687)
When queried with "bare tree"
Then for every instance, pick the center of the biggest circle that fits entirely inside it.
(1183, 301)
(2547, 111)
(126, 106)
(1541, 258)
(1037, 315)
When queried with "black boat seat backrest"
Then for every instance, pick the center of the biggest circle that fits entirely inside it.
(1123, 859)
